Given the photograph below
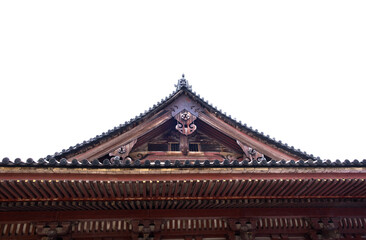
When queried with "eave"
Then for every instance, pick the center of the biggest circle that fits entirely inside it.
(186, 188)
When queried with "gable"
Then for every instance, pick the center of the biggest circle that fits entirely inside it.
(182, 114)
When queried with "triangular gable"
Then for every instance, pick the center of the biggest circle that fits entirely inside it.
(185, 112)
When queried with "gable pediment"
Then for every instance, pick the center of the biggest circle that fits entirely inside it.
(183, 113)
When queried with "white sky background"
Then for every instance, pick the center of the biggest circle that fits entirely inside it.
(70, 70)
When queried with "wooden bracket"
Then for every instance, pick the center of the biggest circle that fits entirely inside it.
(53, 229)
(328, 227)
(185, 125)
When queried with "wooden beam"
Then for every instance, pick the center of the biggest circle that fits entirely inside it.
(195, 174)
(252, 142)
(156, 214)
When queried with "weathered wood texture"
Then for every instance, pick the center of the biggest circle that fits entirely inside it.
(124, 138)
(250, 141)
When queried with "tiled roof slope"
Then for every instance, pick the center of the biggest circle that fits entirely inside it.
(181, 89)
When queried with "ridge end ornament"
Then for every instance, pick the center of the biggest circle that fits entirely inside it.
(185, 123)
(183, 83)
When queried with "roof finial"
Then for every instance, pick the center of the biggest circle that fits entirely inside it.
(183, 83)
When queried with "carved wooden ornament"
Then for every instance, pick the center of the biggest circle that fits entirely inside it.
(249, 153)
(185, 123)
(124, 150)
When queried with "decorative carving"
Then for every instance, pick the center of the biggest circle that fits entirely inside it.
(124, 150)
(185, 123)
(227, 157)
(184, 103)
(243, 228)
(249, 153)
(146, 229)
(52, 230)
(141, 156)
(328, 228)
(195, 108)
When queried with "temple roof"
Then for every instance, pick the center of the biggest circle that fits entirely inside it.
(65, 157)
(96, 183)
(182, 88)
